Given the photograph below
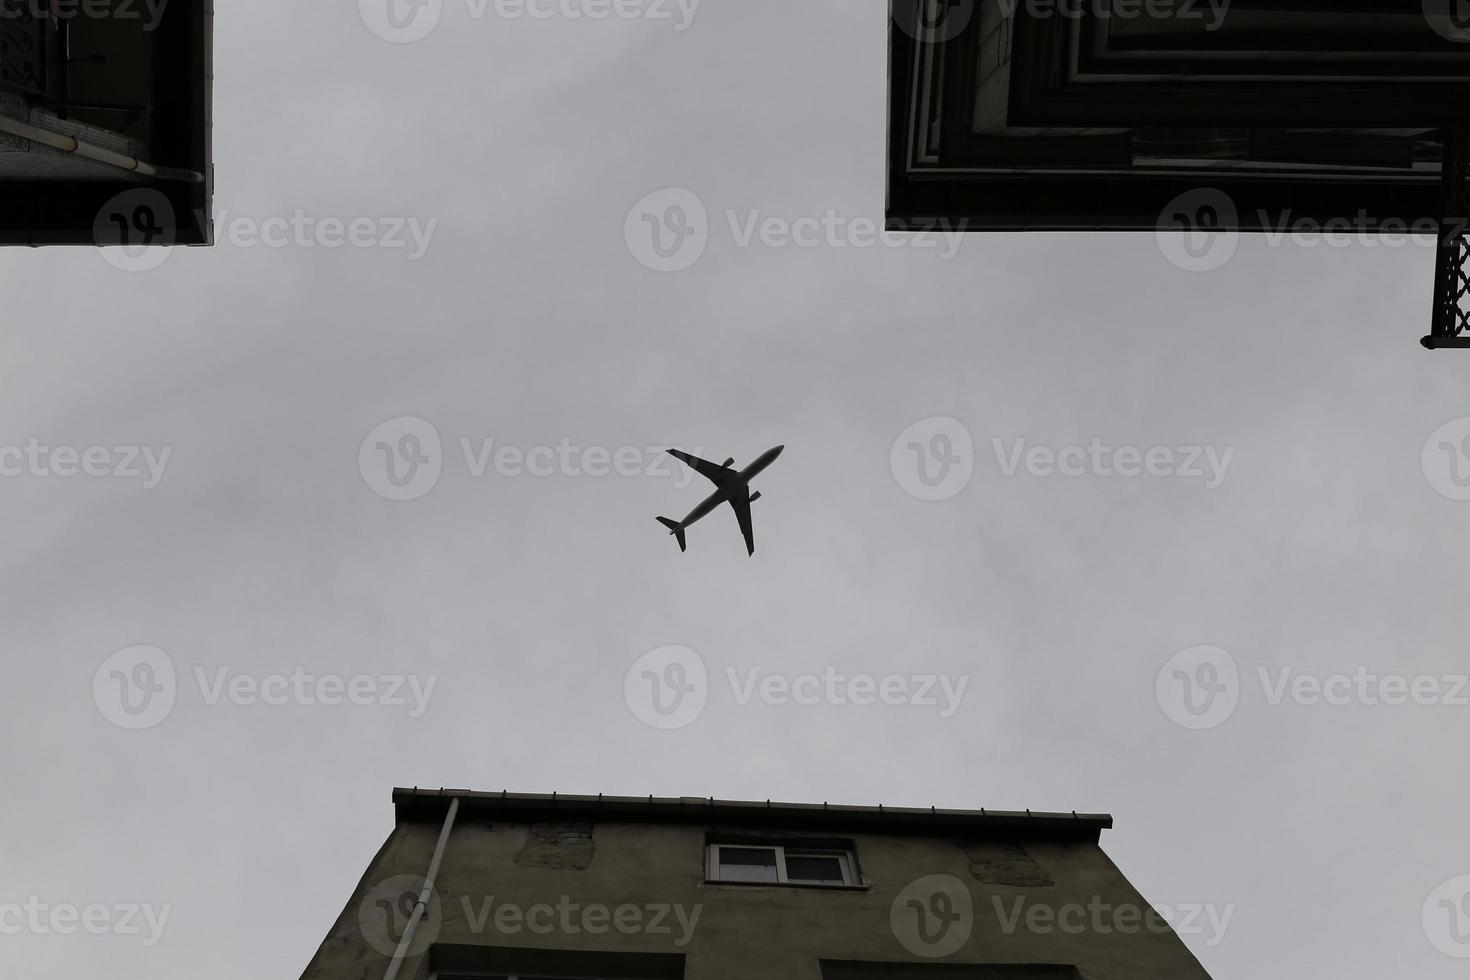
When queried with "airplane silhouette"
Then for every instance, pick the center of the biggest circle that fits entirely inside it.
(732, 487)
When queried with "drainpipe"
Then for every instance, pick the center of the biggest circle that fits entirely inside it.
(401, 952)
(92, 151)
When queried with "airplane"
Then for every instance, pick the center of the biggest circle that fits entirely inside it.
(732, 487)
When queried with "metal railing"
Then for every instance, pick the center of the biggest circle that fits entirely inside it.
(1451, 324)
(30, 51)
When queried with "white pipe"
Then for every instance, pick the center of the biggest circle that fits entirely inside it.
(401, 952)
(92, 151)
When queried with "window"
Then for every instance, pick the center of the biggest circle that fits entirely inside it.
(449, 961)
(780, 864)
(511, 976)
(845, 970)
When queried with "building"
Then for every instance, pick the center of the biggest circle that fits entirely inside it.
(475, 886)
(1210, 116)
(105, 122)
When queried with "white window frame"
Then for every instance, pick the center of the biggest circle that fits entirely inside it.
(846, 860)
(492, 976)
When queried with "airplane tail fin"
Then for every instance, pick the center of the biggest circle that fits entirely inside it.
(674, 529)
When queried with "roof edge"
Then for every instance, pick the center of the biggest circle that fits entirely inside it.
(417, 804)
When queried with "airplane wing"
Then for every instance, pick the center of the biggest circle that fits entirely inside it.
(713, 472)
(741, 502)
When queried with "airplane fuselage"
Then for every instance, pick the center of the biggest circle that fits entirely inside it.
(739, 483)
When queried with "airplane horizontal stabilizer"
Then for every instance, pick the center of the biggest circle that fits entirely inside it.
(674, 529)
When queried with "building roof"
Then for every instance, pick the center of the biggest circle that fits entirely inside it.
(56, 207)
(431, 804)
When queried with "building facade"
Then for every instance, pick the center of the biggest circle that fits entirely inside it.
(475, 886)
(105, 115)
(1095, 114)
(1205, 117)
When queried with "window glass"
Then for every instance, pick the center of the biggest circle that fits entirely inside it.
(825, 869)
(747, 864)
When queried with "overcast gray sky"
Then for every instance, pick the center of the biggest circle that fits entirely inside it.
(269, 546)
